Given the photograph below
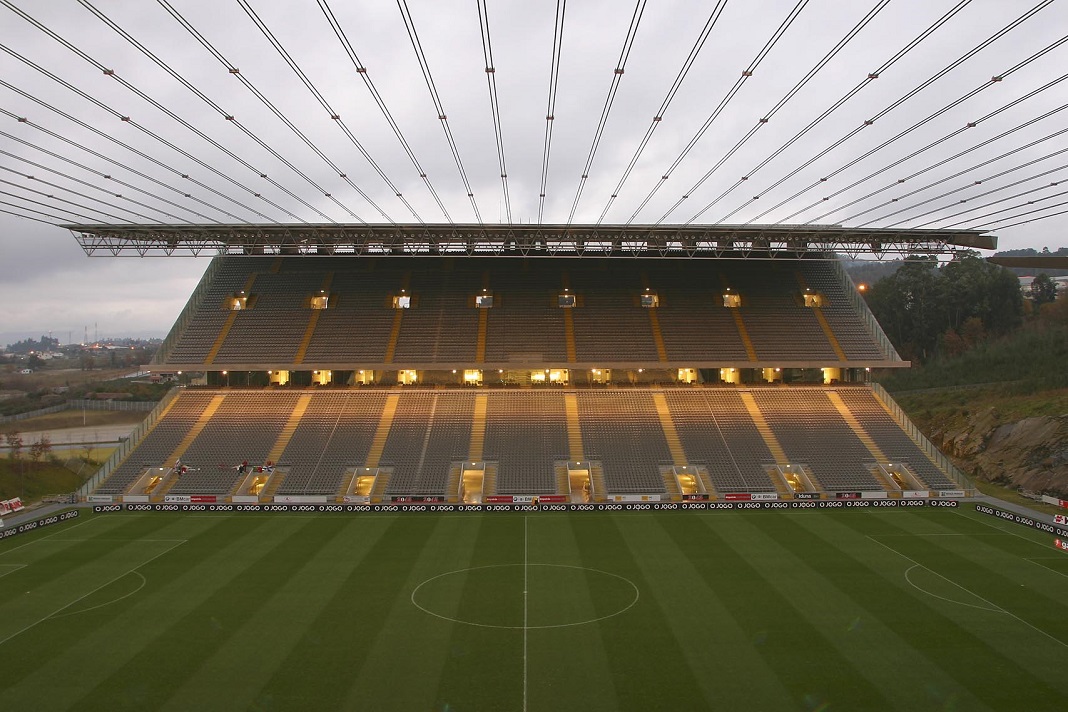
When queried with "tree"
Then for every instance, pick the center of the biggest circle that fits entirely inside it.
(910, 308)
(1043, 290)
(40, 448)
(14, 444)
(973, 287)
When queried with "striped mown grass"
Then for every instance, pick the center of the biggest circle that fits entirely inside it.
(801, 609)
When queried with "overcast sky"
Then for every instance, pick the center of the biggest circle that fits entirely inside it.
(47, 284)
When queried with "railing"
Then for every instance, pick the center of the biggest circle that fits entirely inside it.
(920, 439)
(127, 445)
(195, 300)
(865, 313)
(81, 405)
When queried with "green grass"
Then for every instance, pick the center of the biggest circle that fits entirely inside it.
(31, 481)
(921, 609)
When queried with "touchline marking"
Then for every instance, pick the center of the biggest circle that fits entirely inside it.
(12, 569)
(1003, 531)
(90, 593)
(1047, 568)
(44, 538)
(989, 603)
(526, 629)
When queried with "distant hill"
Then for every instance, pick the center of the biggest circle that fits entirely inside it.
(870, 271)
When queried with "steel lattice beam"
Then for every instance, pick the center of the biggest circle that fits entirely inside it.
(705, 241)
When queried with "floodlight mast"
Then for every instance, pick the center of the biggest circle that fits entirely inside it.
(663, 241)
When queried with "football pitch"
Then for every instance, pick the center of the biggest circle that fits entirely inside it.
(918, 609)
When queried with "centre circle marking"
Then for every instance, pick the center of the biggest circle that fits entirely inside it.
(451, 619)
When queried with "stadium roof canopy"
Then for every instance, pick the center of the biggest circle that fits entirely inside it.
(706, 241)
(1031, 261)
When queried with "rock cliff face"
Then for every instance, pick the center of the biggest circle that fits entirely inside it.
(1031, 454)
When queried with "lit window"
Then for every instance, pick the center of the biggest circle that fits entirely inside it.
(814, 299)
(484, 301)
(237, 301)
(320, 300)
(650, 299)
(402, 301)
(731, 299)
(566, 300)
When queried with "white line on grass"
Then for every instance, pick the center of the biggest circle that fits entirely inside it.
(990, 603)
(924, 536)
(117, 539)
(1003, 531)
(13, 568)
(34, 541)
(573, 624)
(1047, 568)
(140, 575)
(90, 593)
(526, 630)
(943, 598)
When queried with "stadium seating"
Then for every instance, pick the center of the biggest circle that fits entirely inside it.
(526, 435)
(628, 315)
(525, 325)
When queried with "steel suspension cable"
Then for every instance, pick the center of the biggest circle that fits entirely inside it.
(850, 36)
(1019, 215)
(970, 125)
(998, 226)
(361, 70)
(110, 72)
(617, 74)
(203, 97)
(101, 134)
(550, 109)
(746, 74)
(941, 163)
(103, 175)
(87, 183)
(1021, 194)
(28, 217)
(424, 66)
(42, 204)
(901, 100)
(903, 159)
(702, 37)
(30, 176)
(58, 219)
(262, 27)
(135, 124)
(491, 81)
(64, 200)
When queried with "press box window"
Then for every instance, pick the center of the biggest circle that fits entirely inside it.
(650, 300)
(731, 299)
(566, 300)
(484, 301)
(320, 300)
(814, 299)
(402, 301)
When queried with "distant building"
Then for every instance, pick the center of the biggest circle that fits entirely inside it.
(1026, 280)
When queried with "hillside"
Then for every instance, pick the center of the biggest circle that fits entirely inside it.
(999, 410)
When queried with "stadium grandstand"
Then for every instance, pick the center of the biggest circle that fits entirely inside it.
(569, 364)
